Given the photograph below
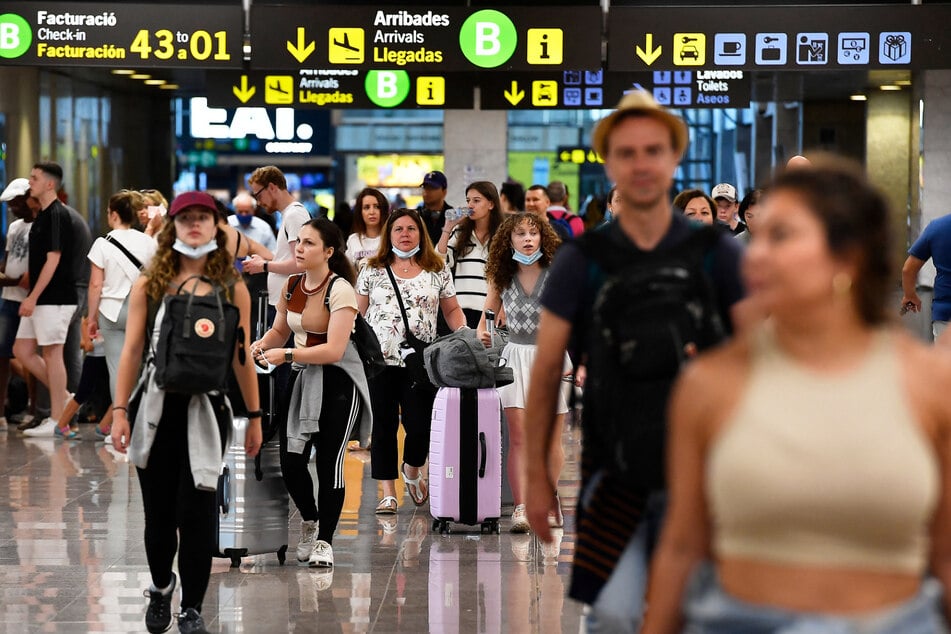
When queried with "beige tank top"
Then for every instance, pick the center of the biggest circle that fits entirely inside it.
(823, 470)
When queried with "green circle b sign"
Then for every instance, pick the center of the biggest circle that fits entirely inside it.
(488, 38)
(387, 88)
(15, 36)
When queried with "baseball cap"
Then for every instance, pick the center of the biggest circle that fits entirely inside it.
(193, 199)
(724, 190)
(17, 187)
(640, 102)
(435, 179)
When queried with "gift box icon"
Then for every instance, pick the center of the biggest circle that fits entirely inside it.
(894, 47)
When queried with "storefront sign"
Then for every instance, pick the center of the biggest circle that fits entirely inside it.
(121, 35)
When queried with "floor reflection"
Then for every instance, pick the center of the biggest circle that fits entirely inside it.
(71, 559)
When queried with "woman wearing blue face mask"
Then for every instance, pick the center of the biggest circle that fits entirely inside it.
(424, 284)
(517, 271)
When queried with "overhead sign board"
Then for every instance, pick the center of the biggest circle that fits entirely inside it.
(574, 89)
(414, 38)
(121, 35)
(338, 88)
(851, 37)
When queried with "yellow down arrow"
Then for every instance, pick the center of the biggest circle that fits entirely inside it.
(244, 92)
(514, 95)
(651, 54)
(303, 50)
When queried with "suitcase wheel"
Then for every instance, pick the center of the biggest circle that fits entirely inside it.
(435, 524)
(235, 554)
(444, 528)
(282, 554)
(235, 561)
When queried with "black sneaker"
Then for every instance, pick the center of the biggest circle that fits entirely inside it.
(158, 616)
(190, 622)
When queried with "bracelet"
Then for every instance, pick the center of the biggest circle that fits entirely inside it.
(258, 413)
(265, 267)
(116, 407)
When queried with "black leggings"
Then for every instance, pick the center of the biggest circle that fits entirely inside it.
(178, 517)
(396, 398)
(339, 411)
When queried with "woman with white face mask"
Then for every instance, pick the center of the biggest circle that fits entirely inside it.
(517, 271)
(424, 284)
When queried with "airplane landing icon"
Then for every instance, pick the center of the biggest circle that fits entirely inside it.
(346, 45)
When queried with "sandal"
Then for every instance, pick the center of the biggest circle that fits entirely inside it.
(414, 486)
(387, 506)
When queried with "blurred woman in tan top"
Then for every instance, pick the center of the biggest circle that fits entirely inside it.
(809, 459)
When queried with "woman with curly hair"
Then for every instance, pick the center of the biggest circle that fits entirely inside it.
(517, 271)
(178, 458)
(466, 242)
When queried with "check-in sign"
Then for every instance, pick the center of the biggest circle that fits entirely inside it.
(437, 39)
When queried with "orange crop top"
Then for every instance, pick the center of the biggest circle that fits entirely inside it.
(823, 469)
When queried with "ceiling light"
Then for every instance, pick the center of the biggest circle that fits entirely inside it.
(858, 98)
(140, 76)
(903, 82)
(154, 82)
(169, 86)
(122, 71)
(890, 87)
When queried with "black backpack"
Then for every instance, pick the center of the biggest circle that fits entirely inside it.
(651, 312)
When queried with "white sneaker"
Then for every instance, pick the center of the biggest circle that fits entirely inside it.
(519, 521)
(322, 556)
(308, 533)
(45, 429)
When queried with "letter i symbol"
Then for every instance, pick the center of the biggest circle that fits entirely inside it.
(544, 44)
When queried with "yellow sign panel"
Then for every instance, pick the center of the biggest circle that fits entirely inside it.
(345, 46)
(690, 49)
(431, 91)
(545, 93)
(279, 90)
(544, 46)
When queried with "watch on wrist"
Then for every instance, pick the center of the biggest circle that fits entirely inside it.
(289, 355)
(265, 267)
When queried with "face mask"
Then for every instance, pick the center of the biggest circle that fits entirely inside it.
(527, 260)
(195, 252)
(244, 220)
(405, 255)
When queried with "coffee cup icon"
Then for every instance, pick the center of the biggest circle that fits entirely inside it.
(731, 48)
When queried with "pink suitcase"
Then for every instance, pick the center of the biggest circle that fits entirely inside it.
(465, 459)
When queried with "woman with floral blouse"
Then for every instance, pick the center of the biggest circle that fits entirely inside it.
(424, 283)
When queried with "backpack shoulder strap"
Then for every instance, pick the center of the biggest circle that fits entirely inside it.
(330, 287)
(292, 282)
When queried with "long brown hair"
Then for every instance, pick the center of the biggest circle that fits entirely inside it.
(359, 223)
(332, 237)
(427, 258)
(467, 225)
(500, 268)
(166, 264)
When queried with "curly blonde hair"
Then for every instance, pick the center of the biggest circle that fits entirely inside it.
(164, 266)
(500, 267)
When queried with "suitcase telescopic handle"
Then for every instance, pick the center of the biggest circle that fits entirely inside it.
(224, 491)
(484, 454)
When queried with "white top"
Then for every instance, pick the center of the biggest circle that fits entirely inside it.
(421, 295)
(361, 248)
(469, 271)
(258, 230)
(118, 271)
(293, 218)
(18, 257)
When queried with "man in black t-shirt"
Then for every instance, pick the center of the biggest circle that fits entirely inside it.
(641, 144)
(49, 307)
(433, 207)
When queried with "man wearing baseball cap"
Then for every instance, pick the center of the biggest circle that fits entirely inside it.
(434, 206)
(617, 521)
(728, 204)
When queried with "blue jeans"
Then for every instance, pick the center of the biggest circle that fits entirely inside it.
(619, 607)
(710, 610)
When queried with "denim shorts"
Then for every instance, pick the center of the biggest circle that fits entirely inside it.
(9, 323)
(708, 609)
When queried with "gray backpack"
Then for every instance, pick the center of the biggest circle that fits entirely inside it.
(460, 360)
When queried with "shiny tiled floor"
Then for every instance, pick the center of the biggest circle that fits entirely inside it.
(72, 560)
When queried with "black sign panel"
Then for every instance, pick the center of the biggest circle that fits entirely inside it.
(420, 38)
(853, 37)
(341, 89)
(121, 35)
(574, 89)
